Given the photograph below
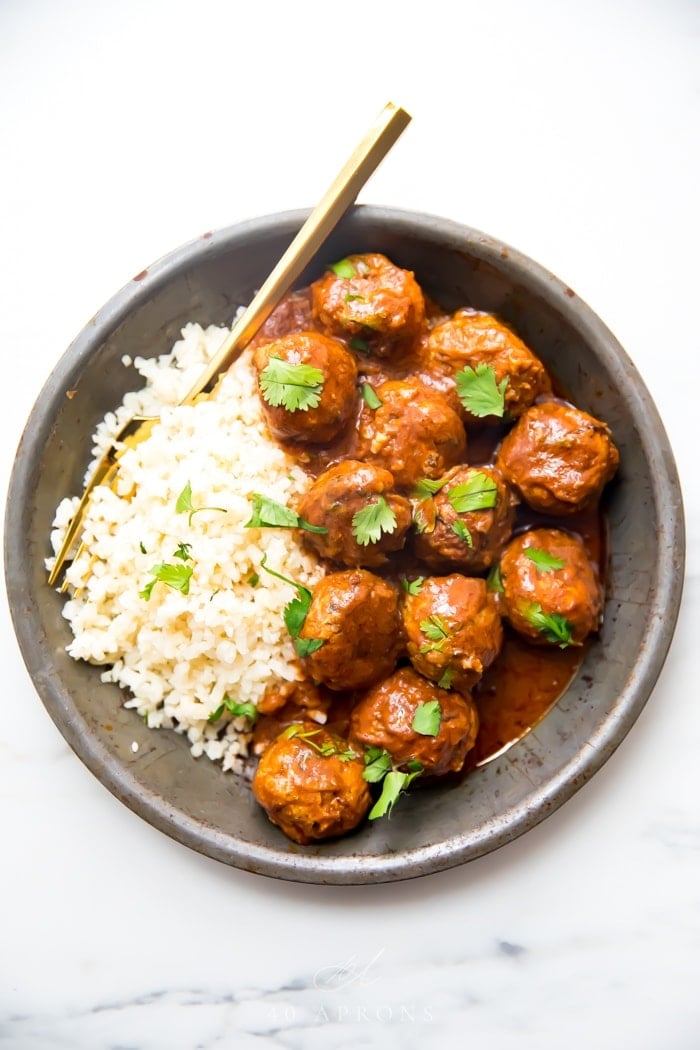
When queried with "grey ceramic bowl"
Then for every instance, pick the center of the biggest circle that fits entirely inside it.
(211, 812)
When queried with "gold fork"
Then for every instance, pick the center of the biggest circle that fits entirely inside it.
(325, 216)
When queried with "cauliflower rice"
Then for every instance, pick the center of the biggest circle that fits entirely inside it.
(179, 655)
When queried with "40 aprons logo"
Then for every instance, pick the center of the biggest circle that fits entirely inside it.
(350, 992)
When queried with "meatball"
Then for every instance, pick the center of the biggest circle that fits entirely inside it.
(551, 591)
(558, 458)
(369, 300)
(465, 524)
(356, 616)
(334, 501)
(384, 718)
(299, 405)
(470, 338)
(310, 783)
(453, 629)
(413, 433)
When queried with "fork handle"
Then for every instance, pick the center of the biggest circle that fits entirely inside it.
(324, 217)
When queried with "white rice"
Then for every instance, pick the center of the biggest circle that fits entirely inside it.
(180, 655)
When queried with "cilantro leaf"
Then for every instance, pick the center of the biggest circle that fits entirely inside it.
(478, 493)
(394, 784)
(446, 680)
(238, 710)
(377, 764)
(343, 269)
(295, 387)
(369, 523)
(427, 487)
(295, 613)
(361, 345)
(306, 646)
(183, 551)
(326, 749)
(543, 560)
(555, 627)
(493, 580)
(427, 718)
(479, 392)
(175, 576)
(434, 628)
(413, 586)
(370, 397)
(267, 513)
(461, 530)
(184, 504)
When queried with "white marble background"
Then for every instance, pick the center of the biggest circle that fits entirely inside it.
(569, 130)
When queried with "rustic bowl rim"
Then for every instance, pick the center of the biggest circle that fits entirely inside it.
(285, 863)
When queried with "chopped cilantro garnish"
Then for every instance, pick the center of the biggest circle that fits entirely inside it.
(379, 768)
(295, 613)
(461, 530)
(184, 504)
(479, 392)
(175, 576)
(369, 523)
(361, 345)
(555, 627)
(478, 493)
(295, 387)
(394, 784)
(446, 680)
(434, 628)
(325, 749)
(238, 710)
(369, 396)
(183, 551)
(377, 764)
(343, 269)
(427, 487)
(493, 580)
(413, 586)
(267, 513)
(427, 718)
(543, 560)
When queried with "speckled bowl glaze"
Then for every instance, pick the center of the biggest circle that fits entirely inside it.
(214, 813)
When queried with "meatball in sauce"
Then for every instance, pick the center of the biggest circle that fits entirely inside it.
(471, 338)
(385, 717)
(551, 591)
(355, 615)
(453, 629)
(413, 433)
(465, 524)
(369, 300)
(558, 457)
(345, 500)
(308, 384)
(310, 783)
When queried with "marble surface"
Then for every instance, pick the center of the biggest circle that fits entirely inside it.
(568, 130)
